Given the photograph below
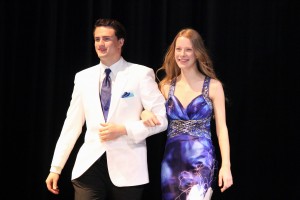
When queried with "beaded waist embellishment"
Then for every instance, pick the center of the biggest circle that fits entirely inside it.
(191, 127)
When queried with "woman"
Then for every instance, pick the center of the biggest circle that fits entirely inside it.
(194, 95)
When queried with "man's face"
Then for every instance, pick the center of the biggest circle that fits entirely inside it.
(107, 45)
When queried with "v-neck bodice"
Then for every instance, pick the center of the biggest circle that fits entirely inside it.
(200, 107)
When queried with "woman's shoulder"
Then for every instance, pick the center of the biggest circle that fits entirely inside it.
(215, 83)
(215, 88)
(165, 88)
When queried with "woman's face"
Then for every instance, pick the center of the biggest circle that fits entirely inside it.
(184, 53)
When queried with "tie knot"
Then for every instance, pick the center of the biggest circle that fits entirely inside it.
(107, 71)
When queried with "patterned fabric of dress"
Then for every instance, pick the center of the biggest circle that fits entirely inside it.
(189, 164)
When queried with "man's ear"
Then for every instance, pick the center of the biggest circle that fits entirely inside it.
(121, 41)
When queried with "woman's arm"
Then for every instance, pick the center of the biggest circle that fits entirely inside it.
(218, 98)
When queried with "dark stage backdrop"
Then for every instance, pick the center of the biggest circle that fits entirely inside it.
(254, 46)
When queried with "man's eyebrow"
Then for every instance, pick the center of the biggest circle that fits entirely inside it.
(105, 36)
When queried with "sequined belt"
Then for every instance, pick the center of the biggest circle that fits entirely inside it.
(191, 127)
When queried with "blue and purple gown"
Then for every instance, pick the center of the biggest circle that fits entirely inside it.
(189, 165)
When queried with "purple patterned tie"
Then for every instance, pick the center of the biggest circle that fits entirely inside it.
(105, 93)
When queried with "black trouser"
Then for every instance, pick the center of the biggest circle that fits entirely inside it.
(95, 184)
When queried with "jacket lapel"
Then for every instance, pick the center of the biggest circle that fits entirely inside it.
(94, 88)
(118, 90)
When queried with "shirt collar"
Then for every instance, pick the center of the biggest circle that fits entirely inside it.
(114, 68)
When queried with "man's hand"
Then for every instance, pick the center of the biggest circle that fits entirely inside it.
(110, 131)
(51, 182)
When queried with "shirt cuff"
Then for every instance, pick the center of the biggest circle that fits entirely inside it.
(55, 169)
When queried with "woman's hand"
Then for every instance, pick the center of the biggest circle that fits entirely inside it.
(149, 119)
(225, 178)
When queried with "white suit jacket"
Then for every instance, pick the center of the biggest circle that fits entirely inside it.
(127, 155)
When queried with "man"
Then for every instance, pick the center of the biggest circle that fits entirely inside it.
(112, 162)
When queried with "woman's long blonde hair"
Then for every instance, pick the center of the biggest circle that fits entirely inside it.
(203, 61)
